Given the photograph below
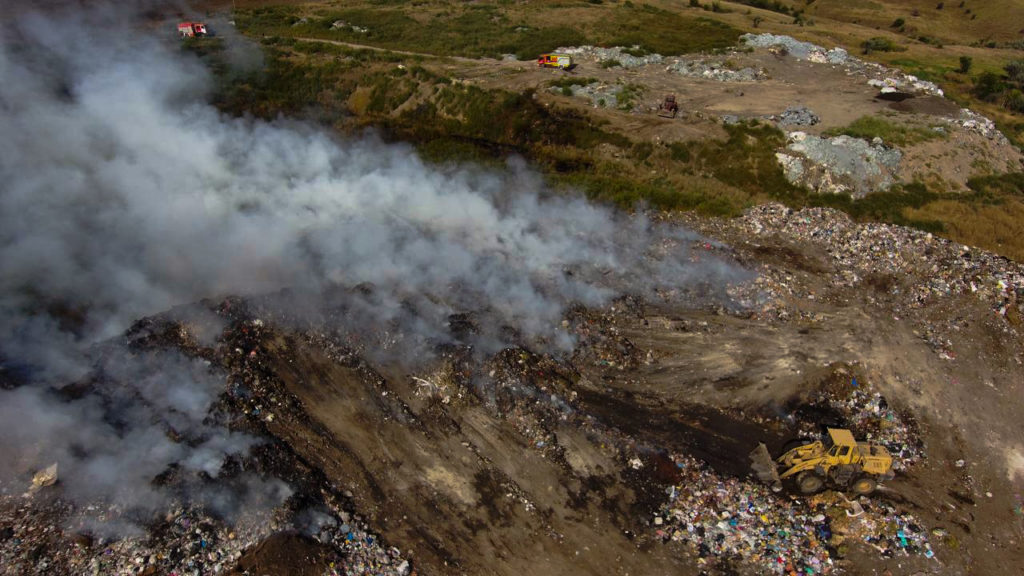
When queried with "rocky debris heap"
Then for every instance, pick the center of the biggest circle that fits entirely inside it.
(615, 54)
(905, 83)
(841, 164)
(696, 67)
(714, 70)
(600, 94)
(974, 122)
(796, 116)
(342, 25)
(797, 49)
(878, 76)
(886, 79)
(722, 520)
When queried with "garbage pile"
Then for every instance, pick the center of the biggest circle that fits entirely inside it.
(599, 340)
(925, 269)
(615, 54)
(41, 532)
(362, 552)
(729, 519)
(839, 165)
(44, 533)
(722, 520)
(884, 528)
(54, 537)
(715, 70)
(870, 417)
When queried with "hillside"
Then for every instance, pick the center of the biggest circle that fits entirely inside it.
(445, 104)
(353, 288)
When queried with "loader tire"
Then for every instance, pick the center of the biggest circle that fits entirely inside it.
(809, 482)
(864, 485)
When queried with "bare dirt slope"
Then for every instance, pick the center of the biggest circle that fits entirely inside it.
(464, 491)
(521, 462)
(534, 461)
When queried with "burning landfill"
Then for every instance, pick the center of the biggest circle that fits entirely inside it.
(238, 347)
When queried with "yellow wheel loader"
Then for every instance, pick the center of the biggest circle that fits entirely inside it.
(840, 461)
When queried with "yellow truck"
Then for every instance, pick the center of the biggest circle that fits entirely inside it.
(840, 460)
(563, 61)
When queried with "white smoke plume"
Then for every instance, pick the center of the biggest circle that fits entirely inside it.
(123, 193)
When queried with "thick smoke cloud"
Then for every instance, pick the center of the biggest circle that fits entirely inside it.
(143, 413)
(124, 193)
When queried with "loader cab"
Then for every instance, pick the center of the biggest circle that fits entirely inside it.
(840, 447)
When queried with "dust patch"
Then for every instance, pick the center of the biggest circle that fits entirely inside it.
(1015, 463)
(441, 478)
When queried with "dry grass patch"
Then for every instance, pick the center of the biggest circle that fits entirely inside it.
(996, 227)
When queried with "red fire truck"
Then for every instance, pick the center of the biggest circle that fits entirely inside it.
(191, 29)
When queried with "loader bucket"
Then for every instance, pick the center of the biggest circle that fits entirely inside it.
(763, 466)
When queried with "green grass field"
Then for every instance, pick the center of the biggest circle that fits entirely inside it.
(870, 127)
(351, 89)
(491, 29)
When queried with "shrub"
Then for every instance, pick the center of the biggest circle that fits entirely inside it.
(1011, 183)
(636, 51)
(773, 5)
(988, 86)
(880, 44)
(1015, 71)
(898, 23)
(965, 64)
(1015, 101)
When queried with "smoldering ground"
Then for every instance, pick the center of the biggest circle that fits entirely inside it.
(124, 193)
